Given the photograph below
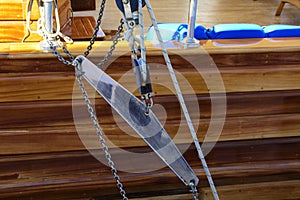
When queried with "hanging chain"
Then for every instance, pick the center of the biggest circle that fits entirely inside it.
(93, 116)
(97, 27)
(99, 131)
(79, 74)
(194, 190)
(57, 54)
(91, 111)
(113, 46)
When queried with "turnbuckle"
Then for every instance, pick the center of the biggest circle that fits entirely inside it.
(130, 10)
(148, 101)
(143, 82)
(194, 190)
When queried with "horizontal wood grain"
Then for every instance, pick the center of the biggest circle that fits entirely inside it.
(284, 46)
(66, 137)
(267, 190)
(14, 31)
(83, 176)
(46, 62)
(13, 20)
(45, 126)
(209, 12)
(246, 79)
(256, 157)
(258, 145)
(32, 114)
(16, 10)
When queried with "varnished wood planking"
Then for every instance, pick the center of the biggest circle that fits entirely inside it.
(13, 31)
(210, 12)
(17, 63)
(79, 28)
(13, 20)
(16, 10)
(238, 167)
(280, 45)
(279, 190)
(49, 125)
(59, 138)
(33, 114)
(83, 28)
(65, 16)
(80, 176)
(245, 79)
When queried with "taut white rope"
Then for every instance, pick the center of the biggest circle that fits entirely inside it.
(181, 101)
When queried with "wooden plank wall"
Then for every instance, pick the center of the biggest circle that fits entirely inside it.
(256, 156)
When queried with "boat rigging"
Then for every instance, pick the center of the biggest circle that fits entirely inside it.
(138, 115)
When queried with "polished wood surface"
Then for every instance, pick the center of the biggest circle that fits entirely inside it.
(13, 20)
(210, 12)
(256, 156)
(12, 10)
(241, 169)
(43, 155)
(83, 28)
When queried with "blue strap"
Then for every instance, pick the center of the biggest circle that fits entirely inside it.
(176, 35)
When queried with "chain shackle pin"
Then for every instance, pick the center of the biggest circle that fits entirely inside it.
(194, 190)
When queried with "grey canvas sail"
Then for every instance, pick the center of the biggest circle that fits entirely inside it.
(132, 110)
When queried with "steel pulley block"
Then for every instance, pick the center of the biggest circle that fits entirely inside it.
(134, 4)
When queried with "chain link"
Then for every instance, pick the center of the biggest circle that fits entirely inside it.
(97, 27)
(93, 116)
(194, 190)
(113, 46)
(56, 53)
(79, 74)
(74, 62)
(99, 133)
(71, 57)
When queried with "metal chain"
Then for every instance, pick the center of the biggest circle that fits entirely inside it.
(93, 116)
(68, 53)
(99, 132)
(113, 46)
(194, 190)
(57, 54)
(97, 27)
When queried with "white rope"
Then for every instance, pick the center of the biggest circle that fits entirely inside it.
(181, 101)
(142, 41)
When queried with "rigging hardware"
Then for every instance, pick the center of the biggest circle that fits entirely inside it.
(131, 110)
(181, 101)
(45, 24)
(190, 41)
(160, 142)
(133, 16)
